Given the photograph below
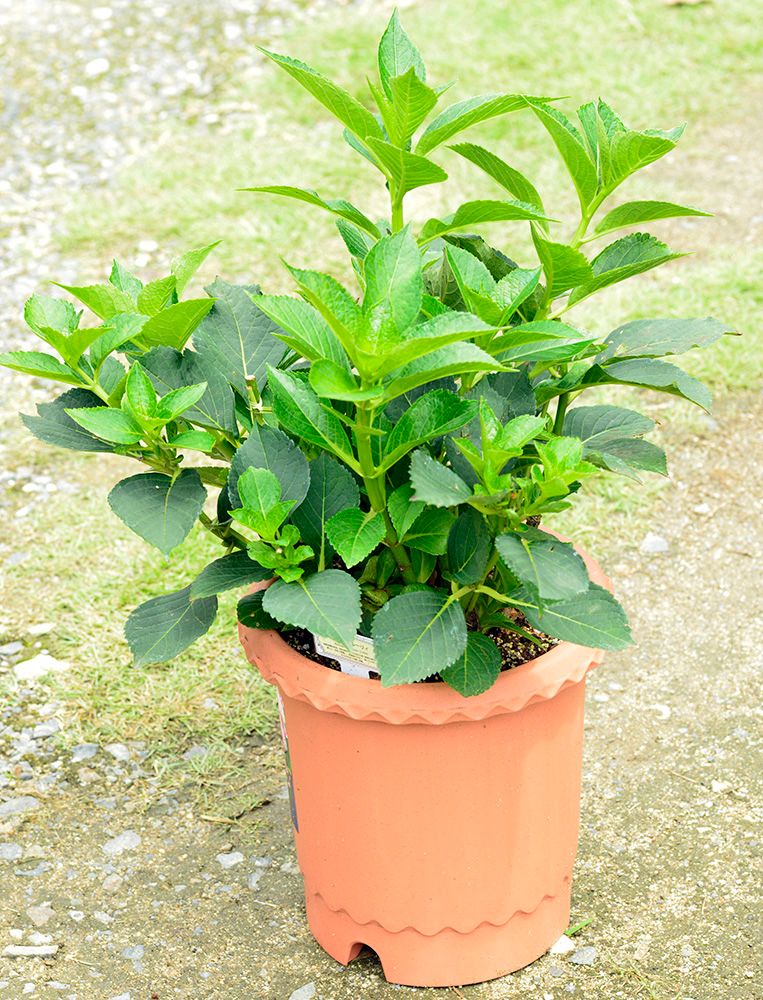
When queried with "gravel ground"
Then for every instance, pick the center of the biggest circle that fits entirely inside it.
(125, 890)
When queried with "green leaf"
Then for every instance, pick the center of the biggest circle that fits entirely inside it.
(355, 534)
(332, 381)
(597, 426)
(432, 415)
(337, 206)
(342, 105)
(140, 392)
(630, 151)
(453, 359)
(654, 338)
(570, 144)
(41, 365)
(541, 340)
(405, 170)
(564, 268)
(631, 255)
(652, 374)
(397, 54)
(111, 425)
(124, 280)
(249, 612)
(357, 242)
(593, 618)
(263, 510)
(478, 667)
(234, 570)
(154, 296)
(237, 336)
(103, 300)
(626, 454)
(332, 489)
(472, 213)
(300, 411)
(403, 509)
(510, 179)
(269, 448)
(335, 304)
(43, 312)
(164, 626)
(634, 213)
(160, 509)
(430, 531)
(469, 547)
(169, 369)
(303, 329)
(53, 425)
(550, 568)
(116, 332)
(174, 325)
(178, 401)
(516, 287)
(417, 635)
(435, 484)
(185, 266)
(431, 335)
(202, 441)
(412, 101)
(326, 603)
(394, 288)
(464, 114)
(516, 392)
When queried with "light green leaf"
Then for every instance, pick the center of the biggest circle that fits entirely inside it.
(178, 401)
(510, 179)
(41, 365)
(631, 255)
(634, 213)
(464, 114)
(185, 266)
(453, 359)
(115, 333)
(430, 531)
(111, 425)
(472, 213)
(103, 300)
(435, 484)
(469, 547)
(541, 340)
(140, 392)
(234, 570)
(550, 568)
(397, 54)
(202, 441)
(564, 268)
(154, 296)
(52, 425)
(431, 335)
(432, 415)
(335, 304)
(45, 312)
(403, 509)
(337, 206)
(332, 489)
(262, 507)
(169, 369)
(411, 101)
(302, 328)
(124, 280)
(160, 509)
(654, 338)
(326, 603)
(301, 412)
(405, 170)
(630, 151)
(164, 626)
(174, 325)
(355, 534)
(332, 381)
(417, 635)
(593, 618)
(394, 288)
(570, 144)
(478, 667)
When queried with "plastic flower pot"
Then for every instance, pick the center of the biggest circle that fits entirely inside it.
(438, 830)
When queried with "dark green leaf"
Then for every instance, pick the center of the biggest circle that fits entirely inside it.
(53, 426)
(332, 488)
(654, 338)
(403, 510)
(164, 626)
(269, 448)
(469, 547)
(593, 618)
(234, 570)
(249, 612)
(652, 374)
(478, 667)
(417, 635)
(430, 531)
(326, 604)
(435, 484)
(168, 369)
(597, 425)
(550, 568)
(432, 415)
(160, 509)
(300, 411)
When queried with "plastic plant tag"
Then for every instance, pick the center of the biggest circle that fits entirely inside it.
(359, 660)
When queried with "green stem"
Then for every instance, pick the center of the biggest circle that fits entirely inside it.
(561, 410)
(397, 213)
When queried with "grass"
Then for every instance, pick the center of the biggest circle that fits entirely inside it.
(656, 64)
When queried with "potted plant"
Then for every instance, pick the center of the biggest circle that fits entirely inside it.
(382, 458)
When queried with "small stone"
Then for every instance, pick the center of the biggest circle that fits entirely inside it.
(10, 852)
(720, 786)
(84, 751)
(210, 704)
(306, 992)
(652, 544)
(702, 508)
(36, 938)
(562, 947)
(39, 869)
(148, 246)
(112, 883)
(30, 951)
(42, 629)
(102, 917)
(77, 915)
(39, 915)
(289, 868)
(264, 862)
(195, 751)
(38, 666)
(118, 751)
(584, 956)
(11, 648)
(126, 841)
(135, 952)
(45, 729)
(230, 860)
(122, 996)
(97, 67)
(254, 879)
(664, 711)
(22, 804)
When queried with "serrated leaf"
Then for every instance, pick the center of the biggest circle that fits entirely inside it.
(154, 296)
(654, 338)
(41, 365)
(466, 113)
(335, 304)
(160, 509)
(104, 422)
(593, 618)
(573, 151)
(302, 328)
(411, 101)
(300, 411)
(326, 603)
(630, 151)
(397, 54)
(124, 280)
(651, 374)
(186, 265)
(115, 333)
(626, 257)
(417, 635)
(168, 369)
(394, 289)
(164, 626)
(541, 340)
(472, 213)
(552, 569)
(103, 300)
(431, 335)
(52, 425)
(249, 612)
(332, 489)
(429, 532)
(432, 415)
(508, 177)
(469, 547)
(634, 213)
(45, 312)
(174, 325)
(355, 534)
(478, 667)
(405, 170)
(403, 509)
(563, 266)
(597, 426)
(234, 570)
(453, 359)
(270, 448)
(435, 484)
(336, 206)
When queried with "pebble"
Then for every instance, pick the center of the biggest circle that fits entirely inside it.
(102, 917)
(22, 804)
(40, 915)
(30, 951)
(254, 879)
(112, 883)
(11, 648)
(10, 852)
(39, 666)
(584, 956)
(562, 947)
(77, 915)
(84, 751)
(720, 786)
(97, 67)
(126, 841)
(44, 729)
(195, 751)
(306, 992)
(230, 860)
(118, 751)
(135, 952)
(652, 544)
(42, 629)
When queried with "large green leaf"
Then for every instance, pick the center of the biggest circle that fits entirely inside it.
(405, 170)
(541, 340)
(417, 635)
(651, 374)
(654, 338)
(597, 426)
(187, 264)
(563, 266)
(634, 213)
(397, 54)
(403, 509)
(394, 288)
(41, 365)
(174, 325)
(335, 304)
(435, 484)
(52, 424)
(300, 411)
(429, 532)
(164, 626)
(453, 359)
(625, 455)
(337, 206)
(472, 213)
(302, 328)
(631, 255)
(593, 618)
(432, 415)
(160, 509)
(466, 113)
(430, 335)
(112, 425)
(469, 547)
(104, 300)
(332, 488)
(237, 337)
(168, 369)
(569, 142)
(510, 179)
(326, 604)
(342, 105)
(234, 570)
(630, 151)
(269, 448)
(550, 568)
(477, 668)
(45, 312)
(355, 534)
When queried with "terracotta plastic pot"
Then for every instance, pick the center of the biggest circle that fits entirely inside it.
(438, 830)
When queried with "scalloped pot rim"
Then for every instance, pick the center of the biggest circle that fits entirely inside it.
(432, 703)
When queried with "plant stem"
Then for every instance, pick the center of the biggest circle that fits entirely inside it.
(397, 212)
(561, 410)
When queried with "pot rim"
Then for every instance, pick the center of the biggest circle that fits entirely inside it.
(433, 703)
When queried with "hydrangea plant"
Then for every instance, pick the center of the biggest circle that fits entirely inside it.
(384, 452)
